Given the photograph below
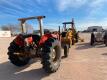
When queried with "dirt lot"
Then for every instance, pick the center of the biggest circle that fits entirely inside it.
(84, 63)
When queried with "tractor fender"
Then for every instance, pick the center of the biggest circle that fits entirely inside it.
(20, 40)
(45, 37)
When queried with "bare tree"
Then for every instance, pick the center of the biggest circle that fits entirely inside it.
(16, 28)
(10, 27)
(5, 28)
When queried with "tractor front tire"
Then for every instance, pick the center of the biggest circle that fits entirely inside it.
(106, 42)
(15, 59)
(92, 39)
(105, 39)
(66, 50)
(73, 41)
(51, 56)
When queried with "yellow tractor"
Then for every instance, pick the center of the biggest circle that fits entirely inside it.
(69, 36)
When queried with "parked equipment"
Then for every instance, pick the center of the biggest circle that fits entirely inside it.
(27, 46)
(98, 37)
(70, 33)
(68, 36)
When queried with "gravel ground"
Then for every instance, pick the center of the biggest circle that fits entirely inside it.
(85, 62)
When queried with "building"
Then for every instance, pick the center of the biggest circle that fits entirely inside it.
(5, 34)
(95, 28)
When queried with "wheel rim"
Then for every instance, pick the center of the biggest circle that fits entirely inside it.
(20, 56)
(56, 57)
(53, 55)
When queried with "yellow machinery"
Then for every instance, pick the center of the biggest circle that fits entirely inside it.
(66, 37)
(69, 35)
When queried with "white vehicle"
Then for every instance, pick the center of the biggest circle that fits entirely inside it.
(97, 37)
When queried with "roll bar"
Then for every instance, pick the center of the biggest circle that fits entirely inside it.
(39, 18)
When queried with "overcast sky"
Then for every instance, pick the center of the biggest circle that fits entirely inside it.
(85, 12)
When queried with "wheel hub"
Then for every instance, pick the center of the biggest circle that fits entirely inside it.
(54, 55)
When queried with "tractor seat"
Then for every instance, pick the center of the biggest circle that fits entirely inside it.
(36, 38)
(63, 34)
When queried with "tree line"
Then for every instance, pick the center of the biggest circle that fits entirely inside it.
(16, 28)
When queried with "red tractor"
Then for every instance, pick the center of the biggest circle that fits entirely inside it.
(27, 46)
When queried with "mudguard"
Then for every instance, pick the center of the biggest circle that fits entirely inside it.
(45, 37)
(21, 40)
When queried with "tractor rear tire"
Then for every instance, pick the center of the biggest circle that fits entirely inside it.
(73, 41)
(15, 59)
(51, 63)
(92, 39)
(105, 39)
(76, 37)
(66, 50)
(106, 42)
(69, 45)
